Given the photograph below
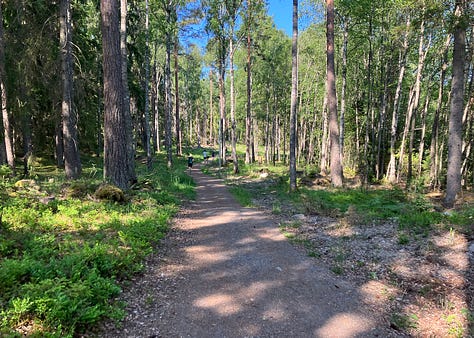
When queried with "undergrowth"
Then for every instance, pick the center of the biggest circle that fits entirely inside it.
(63, 253)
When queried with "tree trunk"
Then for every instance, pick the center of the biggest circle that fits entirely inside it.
(222, 115)
(453, 183)
(391, 170)
(294, 97)
(169, 103)
(179, 146)
(421, 149)
(344, 86)
(211, 110)
(8, 138)
(324, 139)
(147, 91)
(130, 152)
(336, 167)
(248, 118)
(414, 100)
(233, 131)
(116, 128)
(72, 161)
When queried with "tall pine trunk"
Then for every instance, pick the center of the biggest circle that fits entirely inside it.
(233, 130)
(336, 167)
(179, 146)
(169, 102)
(72, 161)
(8, 138)
(294, 97)
(453, 183)
(116, 121)
(147, 89)
(130, 151)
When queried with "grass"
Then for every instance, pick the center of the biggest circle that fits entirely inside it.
(62, 262)
(243, 196)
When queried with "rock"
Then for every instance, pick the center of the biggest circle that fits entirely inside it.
(299, 217)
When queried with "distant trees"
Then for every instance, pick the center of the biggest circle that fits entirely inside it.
(405, 87)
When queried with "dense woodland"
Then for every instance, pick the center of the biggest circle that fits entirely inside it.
(385, 88)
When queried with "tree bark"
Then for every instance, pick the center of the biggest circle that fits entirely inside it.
(391, 169)
(453, 183)
(72, 161)
(179, 146)
(116, 128)
(336, 167)
(169, 103)
(248, 118)
(8, 138)
(294, 97)
(130, 152)
(233, 130)
(147, 89)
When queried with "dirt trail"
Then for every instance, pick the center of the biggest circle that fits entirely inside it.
(227, 271)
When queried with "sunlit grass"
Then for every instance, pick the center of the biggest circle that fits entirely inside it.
(61, 261)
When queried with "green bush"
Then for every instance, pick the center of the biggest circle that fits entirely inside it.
(61, 262)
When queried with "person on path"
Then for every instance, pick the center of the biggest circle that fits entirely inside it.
(190, 161)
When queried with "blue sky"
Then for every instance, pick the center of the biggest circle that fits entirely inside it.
(281, 11)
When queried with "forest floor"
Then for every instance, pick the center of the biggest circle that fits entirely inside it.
(229, 271)
(423, 284)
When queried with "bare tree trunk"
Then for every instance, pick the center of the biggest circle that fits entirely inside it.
(415, 99)
(72, 161)
(294, 97)
(233, 131)
(391, 170)
(157, 110)
(222, 147)
(179, 146)
(169, 103)
(423, 135)
(336, 167)
(248, 118)
(344, 86)
(147, 91)
(453, 183)
(211, 110)
(116, 128)
(324, 140)
(8, 137)
(434, 149)
(130, 152)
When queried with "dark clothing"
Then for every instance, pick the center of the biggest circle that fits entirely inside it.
(190, 161)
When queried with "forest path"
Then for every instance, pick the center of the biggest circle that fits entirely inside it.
(227, 271)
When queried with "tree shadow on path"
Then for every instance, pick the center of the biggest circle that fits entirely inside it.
(231, 273)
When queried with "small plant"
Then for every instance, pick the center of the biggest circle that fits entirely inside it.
(337, 269)
(276, 208)
(242, 196)
(400, 321)
(403, 238)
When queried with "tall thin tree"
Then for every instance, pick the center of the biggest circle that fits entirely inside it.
(72, 161)
(453, 183)
(336, 167)
(117, 131)
(3, 92)
(294, 96)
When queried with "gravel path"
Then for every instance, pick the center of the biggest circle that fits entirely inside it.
(227, 271)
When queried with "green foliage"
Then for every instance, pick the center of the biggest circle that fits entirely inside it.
(373, 205)
(61, 262)
(243, 196)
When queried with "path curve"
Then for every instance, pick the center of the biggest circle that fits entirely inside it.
(227, 271)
